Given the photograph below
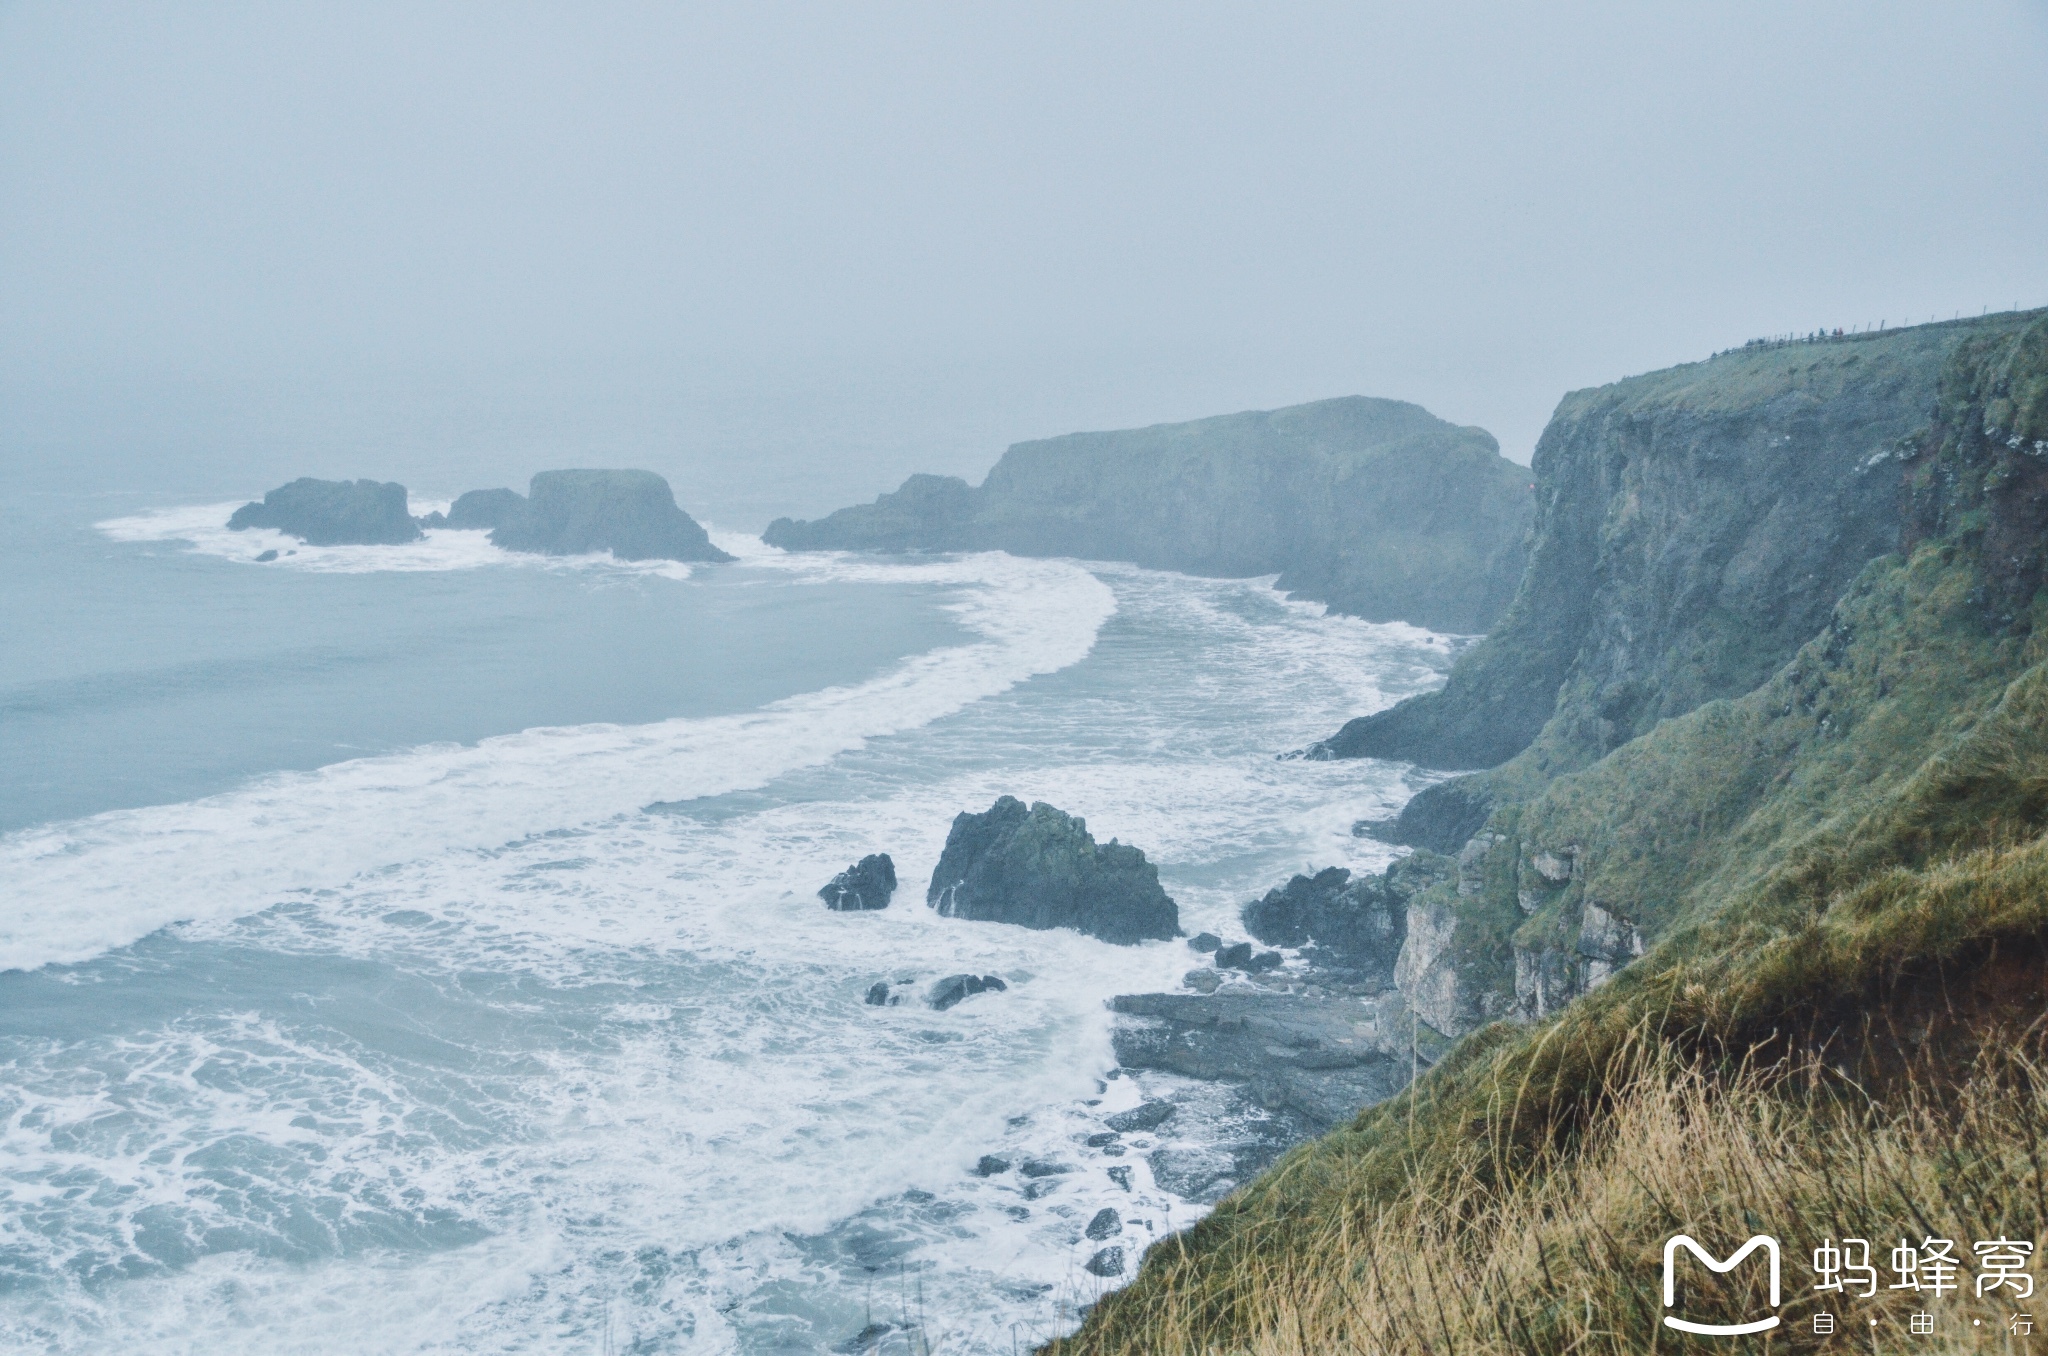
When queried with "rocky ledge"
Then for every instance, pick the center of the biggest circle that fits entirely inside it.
(1041, 868)
(334, 513)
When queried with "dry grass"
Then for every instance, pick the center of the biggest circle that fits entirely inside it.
(1563, 1253)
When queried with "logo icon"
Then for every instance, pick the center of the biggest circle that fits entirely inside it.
(1671, 1247)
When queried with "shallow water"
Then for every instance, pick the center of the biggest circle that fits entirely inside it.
(524, 1030)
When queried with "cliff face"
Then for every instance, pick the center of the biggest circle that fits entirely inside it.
(1848, 859)
(1375, 507)
(1693, 528)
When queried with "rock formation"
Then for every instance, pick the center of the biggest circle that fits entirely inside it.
(949, 991)
(1375, 507)
(1361, 921)
(1040, 868)
(1693, 528)
(867, 884)
(632, 514)
(485, 509)
(334, 513)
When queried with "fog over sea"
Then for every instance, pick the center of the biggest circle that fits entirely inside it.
(417, 949)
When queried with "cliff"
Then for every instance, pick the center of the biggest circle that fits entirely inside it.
(1375, 507)
(1693, 528)
(1690, 942)
(333, 513)
(632, 514)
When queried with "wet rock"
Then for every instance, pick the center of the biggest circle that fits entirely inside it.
(1234, 957)
(991, 1166)
(1040, 868)
(266, 557)
(1150, 1116)
(1106, 1224)
(1121, 1176)
(878, 994)
(485, 509)
(1102, 1140)
(1320, 1059)
(1204, 942)
(1043, 1167)
(867, 884)
(1197, 1174)
(949, 991)
(1108, 1262)
(1263, 962)
(867, 1339)
(333, 513)
(632, 514)
(1202, 981)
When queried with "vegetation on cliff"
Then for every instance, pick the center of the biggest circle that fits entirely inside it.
(1376, 507)
(1838, 884)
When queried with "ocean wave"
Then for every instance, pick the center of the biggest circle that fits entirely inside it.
(101, 882)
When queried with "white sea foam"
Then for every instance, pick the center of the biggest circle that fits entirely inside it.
(108, 879)
(635, 1096)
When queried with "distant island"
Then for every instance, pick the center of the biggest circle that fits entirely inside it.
(632, 514)
(1376, 507)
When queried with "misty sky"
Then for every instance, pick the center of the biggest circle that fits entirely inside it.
(788, 253)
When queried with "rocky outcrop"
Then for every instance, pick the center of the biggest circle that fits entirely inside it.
(867, 884)
(1320, 1059)
(632, 514)
(1693, 528)
(1040, 868)
(487, 509)
(949, 992)
(1361, 921)
(334, 513)
(1375, 507)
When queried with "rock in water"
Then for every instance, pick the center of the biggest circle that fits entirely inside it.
(334, 513)
(867, 884)
(485, 508)
(1108, 1262)
(949, 991)
(1106, 1224)
(1040, 868)
(1150, 1116)
(878, 994)
(632, 514)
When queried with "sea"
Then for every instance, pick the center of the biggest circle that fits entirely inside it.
(418, 948)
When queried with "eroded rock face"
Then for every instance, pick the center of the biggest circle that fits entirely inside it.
(334, 513)
(1040, 868)
(867, 884)
(632, 514)
(1376, 507)
(1693, 529)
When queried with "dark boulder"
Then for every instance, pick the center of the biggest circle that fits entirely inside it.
(991, 1166)
(1236, 956)
(867, 884)
(1040, 868)
(1204, 942)
(878, 994)
(485, 509)
(949, 991)
(1360, 919)
(632, 514)
(1150, 1116)
(334, 513)
(1106, 1224)
(1108, 1262)
(1043, 1167)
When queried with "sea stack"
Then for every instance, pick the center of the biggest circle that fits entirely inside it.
(334, 513)
(1040, 868)
(632, 514)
